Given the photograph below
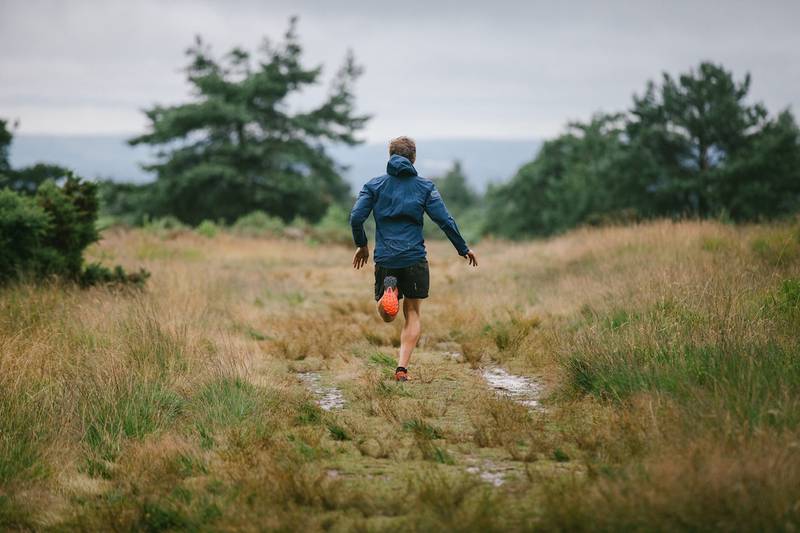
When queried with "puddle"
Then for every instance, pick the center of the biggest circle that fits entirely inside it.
(494, 478)
(519, 388)
(327, 397)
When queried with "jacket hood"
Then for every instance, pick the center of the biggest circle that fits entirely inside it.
(400, 167)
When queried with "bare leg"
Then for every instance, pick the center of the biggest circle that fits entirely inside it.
(411, 330)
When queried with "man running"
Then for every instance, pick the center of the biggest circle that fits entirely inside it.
(398, 200)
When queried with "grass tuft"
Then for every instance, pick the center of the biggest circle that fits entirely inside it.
(382, 359)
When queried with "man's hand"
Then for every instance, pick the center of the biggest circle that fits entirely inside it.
(361, 257)
(473, 260)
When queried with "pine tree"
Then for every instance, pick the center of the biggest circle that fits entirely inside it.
(456, 191)
(238, 148)
(702, 149)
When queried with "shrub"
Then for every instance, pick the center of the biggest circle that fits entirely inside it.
(23, 227)
(165, 226)
(97, 274)
(45, 235)
(207, 228)
(128, 203)
(334, 226)
(258, 224)
(72, 210)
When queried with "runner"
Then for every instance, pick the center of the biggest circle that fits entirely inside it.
(398, 200)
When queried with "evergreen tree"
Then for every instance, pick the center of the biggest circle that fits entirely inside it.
(27, 179)
(572, 180)
(689, 146)
(686, 135)
(456, 191)
(237, 147)
(5, 147)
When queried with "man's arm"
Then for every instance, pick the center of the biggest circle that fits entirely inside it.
(358, 215)
(436, 209)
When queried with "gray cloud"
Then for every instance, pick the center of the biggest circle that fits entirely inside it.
(433, 69)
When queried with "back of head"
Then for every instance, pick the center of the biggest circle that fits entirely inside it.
(403, 146)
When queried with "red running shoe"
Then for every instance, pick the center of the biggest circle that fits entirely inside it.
(401, 374)
(389, 302)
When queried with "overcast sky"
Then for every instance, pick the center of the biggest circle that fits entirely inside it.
(477, 69)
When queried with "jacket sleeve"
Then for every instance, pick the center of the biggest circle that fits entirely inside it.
(436, 209)
(359, 214)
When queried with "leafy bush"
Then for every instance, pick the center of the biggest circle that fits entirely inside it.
(129, 203)
(165, 226)
(208, 228)
(334, 226)
(72, 210)
(258, 224)
(23, 227)
(97, 274)
(45, 235)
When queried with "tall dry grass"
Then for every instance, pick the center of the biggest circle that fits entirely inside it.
(669, 351)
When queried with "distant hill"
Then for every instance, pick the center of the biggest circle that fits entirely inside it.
(483, 161)
(108, 156)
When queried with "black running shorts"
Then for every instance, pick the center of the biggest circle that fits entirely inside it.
(412, 281)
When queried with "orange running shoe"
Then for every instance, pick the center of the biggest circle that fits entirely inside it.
(389, 302)
(401, 374)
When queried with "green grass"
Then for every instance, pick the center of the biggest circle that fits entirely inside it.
(787, 299)
(338, 432)
(14, 517)
(758, 384)
(21, 440)
(309, 413)
(133, 410)
(777, 249)
(715, 244)
(422, 429)
(226, 402)
(382, 359)
(151, 345)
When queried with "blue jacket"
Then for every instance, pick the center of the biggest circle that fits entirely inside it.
(398, 200)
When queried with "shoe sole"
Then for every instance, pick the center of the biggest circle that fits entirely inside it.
(389, 301)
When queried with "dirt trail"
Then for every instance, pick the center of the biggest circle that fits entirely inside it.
(391, 429)
(451, 424)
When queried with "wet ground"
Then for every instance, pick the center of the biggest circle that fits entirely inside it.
(328, 397)
(519, 388)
